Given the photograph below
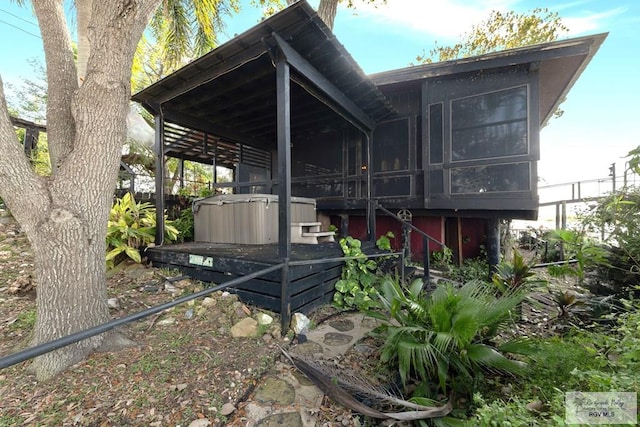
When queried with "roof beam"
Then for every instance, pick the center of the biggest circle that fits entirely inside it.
(219, 131)
(307, 70)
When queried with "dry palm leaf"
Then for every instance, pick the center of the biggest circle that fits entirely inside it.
(337, 393)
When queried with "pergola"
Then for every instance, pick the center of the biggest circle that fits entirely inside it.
(267, 88)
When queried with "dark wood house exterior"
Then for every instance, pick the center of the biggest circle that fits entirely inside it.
(452, 145)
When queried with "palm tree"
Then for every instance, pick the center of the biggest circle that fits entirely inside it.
(445, 338)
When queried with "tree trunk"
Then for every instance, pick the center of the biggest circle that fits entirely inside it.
(71, 287)
(65, 215)
(327, 10)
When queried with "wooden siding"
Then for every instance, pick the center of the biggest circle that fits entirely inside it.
(310, 285)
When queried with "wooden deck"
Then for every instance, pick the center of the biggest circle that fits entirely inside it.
(310, 285)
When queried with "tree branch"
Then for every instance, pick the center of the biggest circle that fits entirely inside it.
(62, 78)
(24, 192)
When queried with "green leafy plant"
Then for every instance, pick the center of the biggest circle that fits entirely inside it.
(384, 241)
(356, 287)
(580, 248)
(185, 225)
(132, 226)
(445, 338)
(617, 219)
(442, 259)
(515, 274)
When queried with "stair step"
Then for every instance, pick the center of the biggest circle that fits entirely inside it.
(318, 234)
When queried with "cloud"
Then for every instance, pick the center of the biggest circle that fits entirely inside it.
(449, 19)
(445, 19)
(590, 21)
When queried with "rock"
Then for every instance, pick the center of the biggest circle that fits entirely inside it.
(289, 419)
(264, 319)
(209, 302)
(166, 321)
(246, 327)
(267, 338)
(343, 325)
(537, 407)
(113, 303)
(275, 390)
(227, 409)
(202, 422)
(171, 288)
(300, 323)
(188, 314)
(337, 339)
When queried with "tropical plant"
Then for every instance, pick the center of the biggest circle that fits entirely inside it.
(579, 248)
(185, 225)
(132, 226)
(442, 259)
(617, 218)
(514, 274)
(445, 338)
(356, 287)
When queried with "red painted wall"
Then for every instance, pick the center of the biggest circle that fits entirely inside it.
(472, 230)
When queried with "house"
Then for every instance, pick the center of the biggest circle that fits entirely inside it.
(451, 146)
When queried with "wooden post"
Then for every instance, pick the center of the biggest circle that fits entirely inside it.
(493, 244)
(283, 90)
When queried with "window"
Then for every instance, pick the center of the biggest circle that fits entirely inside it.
(495, 178)
(436, 134)
(490, 125)
(391, 146)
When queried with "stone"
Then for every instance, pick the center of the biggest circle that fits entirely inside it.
(337, 339)
(276, 390)
(227, 409)
(202, 422)
(289, 419)
(113, 303)
(300, 323)
(171, 288)
(264, 319)
(308, 348)
(342, 325)
(246, 327)
(166, 321)
(209, 302)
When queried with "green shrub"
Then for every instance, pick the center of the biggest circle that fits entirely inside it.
(445, 338)
(132, 226)
(356, 287)
(185, 225)
(515, 274)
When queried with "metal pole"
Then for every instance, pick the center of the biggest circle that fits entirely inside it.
(160, 168)
(425, 262)
(283, 92)
(41, 349)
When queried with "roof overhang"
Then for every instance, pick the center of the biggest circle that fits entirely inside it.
(230, 93)
(558, 63)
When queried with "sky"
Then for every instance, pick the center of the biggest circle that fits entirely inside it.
(601, 121)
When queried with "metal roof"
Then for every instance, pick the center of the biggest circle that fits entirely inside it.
(230, 93)
(559, 64)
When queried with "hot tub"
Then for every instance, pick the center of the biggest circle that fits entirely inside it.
(245, 218)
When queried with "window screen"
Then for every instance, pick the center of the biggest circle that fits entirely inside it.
(489, 125)
(391, 146)
(489, 179)
(436, 134)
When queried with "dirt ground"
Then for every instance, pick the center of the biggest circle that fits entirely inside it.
(186, 365)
